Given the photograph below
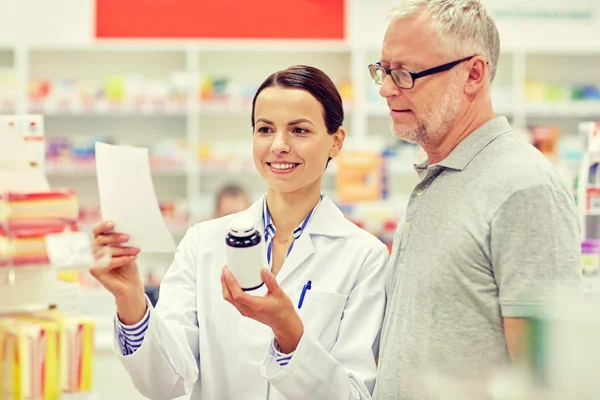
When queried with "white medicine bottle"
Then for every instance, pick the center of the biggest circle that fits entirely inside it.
(246, 253)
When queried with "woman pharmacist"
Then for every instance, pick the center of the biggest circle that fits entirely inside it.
(206, 334)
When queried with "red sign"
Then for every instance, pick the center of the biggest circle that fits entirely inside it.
(248, 19)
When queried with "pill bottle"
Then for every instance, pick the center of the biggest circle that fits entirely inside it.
(246, 253)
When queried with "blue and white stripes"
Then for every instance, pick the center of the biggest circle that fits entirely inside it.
(132, 336)
(281, 358)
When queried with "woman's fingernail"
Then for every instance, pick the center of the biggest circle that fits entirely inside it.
(110, 224)
(124, 237)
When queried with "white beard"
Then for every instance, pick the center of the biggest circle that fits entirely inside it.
(432, 128)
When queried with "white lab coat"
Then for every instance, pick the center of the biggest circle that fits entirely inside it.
(196, 341)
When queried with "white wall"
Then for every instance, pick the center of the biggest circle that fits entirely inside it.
(72, 21)
(369, 20)
(46, 21)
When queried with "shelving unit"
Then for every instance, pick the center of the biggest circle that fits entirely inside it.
(225, 126)
(44, 353)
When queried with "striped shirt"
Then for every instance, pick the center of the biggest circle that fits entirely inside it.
(132, 336)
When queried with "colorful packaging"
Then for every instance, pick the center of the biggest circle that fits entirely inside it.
(29, 360)
(359, 176)
(545, 139)
(76, 350)
(590, 256)
(44, 355)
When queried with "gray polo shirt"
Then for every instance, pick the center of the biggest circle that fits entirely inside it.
(489, 232)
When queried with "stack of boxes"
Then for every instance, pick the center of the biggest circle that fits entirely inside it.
(43, 352)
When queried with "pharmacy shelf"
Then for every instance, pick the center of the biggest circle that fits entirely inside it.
(109, 110)
(562, 109)
(583, 109)
(200, 122)
(66, 169)
(27, 289)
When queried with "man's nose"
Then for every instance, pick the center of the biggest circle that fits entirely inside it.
(389, 88)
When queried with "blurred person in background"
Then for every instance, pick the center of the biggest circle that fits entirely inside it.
(490, 233)
(208, 336)
(230, 199)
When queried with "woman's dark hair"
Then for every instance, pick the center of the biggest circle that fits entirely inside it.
(315, 82)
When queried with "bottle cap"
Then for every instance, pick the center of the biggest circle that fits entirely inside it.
(241, 227)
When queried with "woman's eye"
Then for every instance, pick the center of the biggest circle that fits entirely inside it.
(300, 131)
(264, 129)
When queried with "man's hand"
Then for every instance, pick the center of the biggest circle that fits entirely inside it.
(275, 309)
(515, 331)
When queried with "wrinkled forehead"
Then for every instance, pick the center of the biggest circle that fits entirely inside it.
(410, 42)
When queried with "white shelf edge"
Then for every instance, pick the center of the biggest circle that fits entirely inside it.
(202, 169)
(80, 171)
(207, 109)
(582, 108)
(270, 45)
(114, 111)
(201, 45)
(563, 109)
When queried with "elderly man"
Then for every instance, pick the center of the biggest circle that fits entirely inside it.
(490, 232)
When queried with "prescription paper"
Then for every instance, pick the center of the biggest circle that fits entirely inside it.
(127, 197)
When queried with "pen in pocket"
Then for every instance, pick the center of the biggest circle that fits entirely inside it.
(304, 289)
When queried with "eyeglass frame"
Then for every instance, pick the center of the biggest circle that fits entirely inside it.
(421, 74)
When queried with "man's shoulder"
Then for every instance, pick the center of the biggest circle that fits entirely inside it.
(516, 164)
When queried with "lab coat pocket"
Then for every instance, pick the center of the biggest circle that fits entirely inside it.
(321, 314)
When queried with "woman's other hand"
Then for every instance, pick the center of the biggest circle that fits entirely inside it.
(275, 309)
(121, 277)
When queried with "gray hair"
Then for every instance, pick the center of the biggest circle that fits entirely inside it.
(464, 27)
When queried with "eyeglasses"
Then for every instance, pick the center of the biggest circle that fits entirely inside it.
(404, 78)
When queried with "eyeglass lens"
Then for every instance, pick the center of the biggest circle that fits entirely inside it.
(401, 77)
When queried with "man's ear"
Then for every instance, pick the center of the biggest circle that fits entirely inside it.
(478, 74)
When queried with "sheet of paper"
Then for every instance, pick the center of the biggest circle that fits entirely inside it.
(127, 197)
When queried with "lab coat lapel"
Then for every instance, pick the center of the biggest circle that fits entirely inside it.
(303, 248)
(327, 220)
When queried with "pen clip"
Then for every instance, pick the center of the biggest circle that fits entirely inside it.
(306, 287)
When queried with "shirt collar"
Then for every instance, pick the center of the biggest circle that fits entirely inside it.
(270, 228)
(470, 146)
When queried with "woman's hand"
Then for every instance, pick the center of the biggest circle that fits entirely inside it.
(121, 277)
(275, 309)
